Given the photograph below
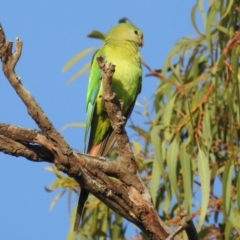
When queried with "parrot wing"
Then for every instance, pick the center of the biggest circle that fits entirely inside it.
(93, 90)
(110, 138)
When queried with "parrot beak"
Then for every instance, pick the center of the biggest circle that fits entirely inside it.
(141, 43)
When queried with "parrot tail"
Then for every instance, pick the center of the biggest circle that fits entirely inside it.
(81, 201)
(84, 194)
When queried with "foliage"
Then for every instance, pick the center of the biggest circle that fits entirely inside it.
(197, 120)
(194, 134)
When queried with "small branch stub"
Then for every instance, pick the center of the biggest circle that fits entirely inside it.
(186, 224)
(108, 69)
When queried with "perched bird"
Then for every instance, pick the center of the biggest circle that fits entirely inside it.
(120, 48)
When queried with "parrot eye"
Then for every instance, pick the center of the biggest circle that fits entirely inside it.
(136, 32)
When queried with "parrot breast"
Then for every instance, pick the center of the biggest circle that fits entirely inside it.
(125, 82)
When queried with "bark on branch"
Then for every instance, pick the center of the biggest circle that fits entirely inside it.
(128, 196)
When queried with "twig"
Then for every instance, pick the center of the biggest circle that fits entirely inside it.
(33, 153)
(187, 225)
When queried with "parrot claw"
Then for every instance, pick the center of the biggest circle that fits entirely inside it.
(109, 97)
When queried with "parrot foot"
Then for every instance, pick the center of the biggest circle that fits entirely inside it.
(121, 106)
(110, 97)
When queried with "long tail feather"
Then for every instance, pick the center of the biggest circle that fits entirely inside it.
(84, 193)
(81, 201)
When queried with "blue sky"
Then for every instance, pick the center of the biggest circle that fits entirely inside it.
(52, 33)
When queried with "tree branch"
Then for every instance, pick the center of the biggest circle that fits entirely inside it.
(126, 194)
(187, 225)
(33, 153)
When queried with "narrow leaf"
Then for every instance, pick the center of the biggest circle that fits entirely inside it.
(185, 160)
(73, 124)
(172, 159)
(78, 73)
(157, 168)
(229, 6)
(227, 182)
(228, 230)
(55, 199)
(76, 58)
(193, 18)
(204, 174)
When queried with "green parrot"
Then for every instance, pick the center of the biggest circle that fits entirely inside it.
(120, 48)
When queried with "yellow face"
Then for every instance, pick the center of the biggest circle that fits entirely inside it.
(139, 35)
(126, 31)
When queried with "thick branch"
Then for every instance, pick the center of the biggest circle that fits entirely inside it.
(34, 153)
(9, 61)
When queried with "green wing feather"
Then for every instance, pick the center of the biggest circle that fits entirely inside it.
(110, 137)
(93, 90)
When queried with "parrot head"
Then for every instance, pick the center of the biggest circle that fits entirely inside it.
(126, 31)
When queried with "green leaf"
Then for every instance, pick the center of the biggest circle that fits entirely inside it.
(102, 230)
(77, 57)
(235, 218)
(228, 230)
(52, 168)
(137, 148)
(193, 18)
(211, 19)
(55, 199)
(206, 128)
(238, 187)
(73, 124)
(72, 235)
(167, 199)
(185, 160)
(101, 234)
(157, 167)
(202, 12)
(140, 131)
(168, 116)
(117, 230)
(204, 175)
(229, 6)
(79, 72)
(172, 159)
(203, 233)
(227, 182)
(223, 29)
